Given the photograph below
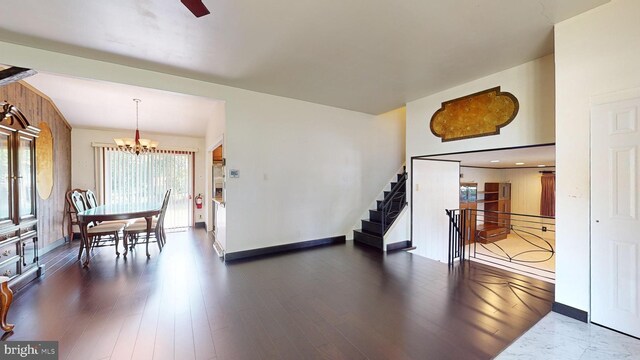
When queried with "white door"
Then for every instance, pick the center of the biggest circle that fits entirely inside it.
(615, 228)
(435, 188)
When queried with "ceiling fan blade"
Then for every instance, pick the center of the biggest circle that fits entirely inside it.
(196, 7)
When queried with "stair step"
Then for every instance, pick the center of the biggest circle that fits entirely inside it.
(400, 191)
(396, 204)
(375, 215)
(399, 177)
(365, 238)
(372, 227)
(401, 245)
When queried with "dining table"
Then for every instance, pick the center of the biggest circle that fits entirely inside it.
(110, 212)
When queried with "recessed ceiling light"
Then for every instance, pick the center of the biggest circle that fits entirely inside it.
(542, 165)
(495, 161)
(519, 163)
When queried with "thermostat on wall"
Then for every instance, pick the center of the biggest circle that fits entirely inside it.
(234, 173)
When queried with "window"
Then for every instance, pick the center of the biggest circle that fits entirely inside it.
(131, 178)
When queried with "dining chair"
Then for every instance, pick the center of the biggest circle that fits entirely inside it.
(93, 231)
(72, 226)
(133, 230)
(92, 202)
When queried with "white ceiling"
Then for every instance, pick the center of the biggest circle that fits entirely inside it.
(531, 157)
(365, 55)
(104, 105)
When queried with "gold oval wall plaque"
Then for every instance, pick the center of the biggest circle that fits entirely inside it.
(479, 114)
(44, 161)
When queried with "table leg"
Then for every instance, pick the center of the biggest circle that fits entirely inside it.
(86, 243)
(6, 297)
(126, 245)
(149, 220)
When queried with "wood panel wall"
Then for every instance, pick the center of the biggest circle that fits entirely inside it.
(38, 108)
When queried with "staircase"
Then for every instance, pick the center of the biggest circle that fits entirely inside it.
(381, 219)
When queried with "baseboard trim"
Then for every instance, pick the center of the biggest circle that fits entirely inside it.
(200, 224)
(52, 246)
(398, 245)
(571, 312)
(278, 249)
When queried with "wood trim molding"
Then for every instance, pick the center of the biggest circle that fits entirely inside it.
(571, 312)
(278, 249)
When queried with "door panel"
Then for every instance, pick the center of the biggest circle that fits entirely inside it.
(615, 245)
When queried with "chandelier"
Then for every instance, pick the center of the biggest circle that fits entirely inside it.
(137, 145)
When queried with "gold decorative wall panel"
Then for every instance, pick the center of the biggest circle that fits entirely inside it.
(479, 114)
(44, 161)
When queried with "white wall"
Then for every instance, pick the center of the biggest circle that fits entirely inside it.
(83, 165)
(526, 187)
(481, 175)
(597, 55)
(436, 188)
(307, 171)
(526, 190)
(532, 83)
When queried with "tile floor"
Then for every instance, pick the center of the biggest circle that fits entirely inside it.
(560, 337)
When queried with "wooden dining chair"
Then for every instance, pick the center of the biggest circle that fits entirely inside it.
(93, 231)
(133, 230)
(92, 202)
(71, 224)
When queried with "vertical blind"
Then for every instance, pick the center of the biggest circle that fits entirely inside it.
(130, 178)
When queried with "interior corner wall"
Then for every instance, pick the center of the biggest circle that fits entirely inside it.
(83, 161)
(307, 171)
(597, 54)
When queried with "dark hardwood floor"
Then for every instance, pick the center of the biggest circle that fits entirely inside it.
(336, 302)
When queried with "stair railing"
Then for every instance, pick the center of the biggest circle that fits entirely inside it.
(457, 220)
(394, 203)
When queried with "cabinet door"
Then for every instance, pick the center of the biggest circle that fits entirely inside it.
(29, 253)
(505, 191)
(26, 183)
(6, 205)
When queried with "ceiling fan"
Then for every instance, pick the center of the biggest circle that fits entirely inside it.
(196, 7)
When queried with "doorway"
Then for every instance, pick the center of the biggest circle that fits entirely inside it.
(507, 197)
(615, 245)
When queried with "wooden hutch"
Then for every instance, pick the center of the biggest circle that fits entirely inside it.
(18, 213)
(497, 206)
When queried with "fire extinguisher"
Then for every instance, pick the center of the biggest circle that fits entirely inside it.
(199, 201)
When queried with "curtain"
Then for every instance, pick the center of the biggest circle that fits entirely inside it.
(145, 178)
(548, 198)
